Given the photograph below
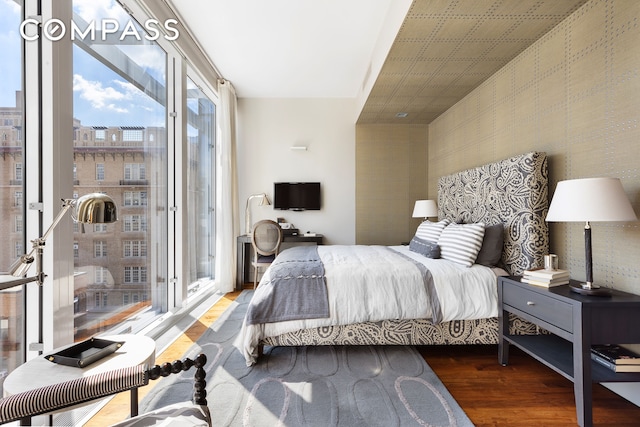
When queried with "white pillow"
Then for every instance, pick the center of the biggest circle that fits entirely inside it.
(431, 230)
(461, 243)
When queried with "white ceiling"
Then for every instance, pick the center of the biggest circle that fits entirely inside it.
(416, 57)
(288, 48)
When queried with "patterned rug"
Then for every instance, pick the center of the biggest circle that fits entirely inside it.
(311, 386)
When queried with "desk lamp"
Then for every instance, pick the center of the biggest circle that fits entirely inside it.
(94, 208)
(264, 201)
(425, 209)
(588, 200)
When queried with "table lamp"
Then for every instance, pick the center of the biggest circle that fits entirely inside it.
(590, 200)
(425, 209)
(264, 201)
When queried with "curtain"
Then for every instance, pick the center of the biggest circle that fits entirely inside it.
(227, 227)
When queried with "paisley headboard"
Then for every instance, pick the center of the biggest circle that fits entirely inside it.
(512, 192)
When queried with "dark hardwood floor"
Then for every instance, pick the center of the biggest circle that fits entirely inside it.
(524, 393)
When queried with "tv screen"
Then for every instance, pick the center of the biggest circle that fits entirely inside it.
(297, 196)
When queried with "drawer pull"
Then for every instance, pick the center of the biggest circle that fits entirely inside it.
(531, 303)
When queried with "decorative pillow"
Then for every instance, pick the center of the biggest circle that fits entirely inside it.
(461, 243)
(431, 230)
(424, 247)
(491, 250)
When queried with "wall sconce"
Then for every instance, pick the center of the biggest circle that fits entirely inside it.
(264, 201)
(298, 148)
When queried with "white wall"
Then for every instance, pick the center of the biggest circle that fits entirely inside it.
(267, 128)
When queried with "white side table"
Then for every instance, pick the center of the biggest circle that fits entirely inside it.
(40, 372)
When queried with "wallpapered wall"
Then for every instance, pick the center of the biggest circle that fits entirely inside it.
(576, 95)
(391, 174)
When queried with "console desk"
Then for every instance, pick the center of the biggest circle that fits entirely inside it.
(245, 250)
(575, 322)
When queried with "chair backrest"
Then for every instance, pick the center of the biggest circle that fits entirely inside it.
(266, 237)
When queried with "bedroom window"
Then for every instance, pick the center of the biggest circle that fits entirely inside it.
(120, 91)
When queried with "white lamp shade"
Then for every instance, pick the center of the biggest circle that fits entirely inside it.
(590, 199)
(425, 209)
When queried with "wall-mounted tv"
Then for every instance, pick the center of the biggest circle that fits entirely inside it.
(297, 196)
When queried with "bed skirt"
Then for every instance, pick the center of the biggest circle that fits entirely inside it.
(404, 332)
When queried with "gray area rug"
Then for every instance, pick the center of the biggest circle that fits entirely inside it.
(311, 386)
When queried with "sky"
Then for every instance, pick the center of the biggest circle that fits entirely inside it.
(101, 97)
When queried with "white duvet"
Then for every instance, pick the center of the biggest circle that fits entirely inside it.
(368, 283)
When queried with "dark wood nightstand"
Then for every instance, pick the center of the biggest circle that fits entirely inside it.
(575, 322)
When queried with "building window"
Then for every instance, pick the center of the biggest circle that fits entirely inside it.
(135, 274)
(132, 135)
(19, 224)
(134, 223)
(99, 171)
(18, 172)
(135, 248)
(134, 171)
(100, 228)
(125, 298)
(18, 250)
(100, 275)
(99, 249)
(135, 198)
(17, 199)
(76, 250)
(100, 134)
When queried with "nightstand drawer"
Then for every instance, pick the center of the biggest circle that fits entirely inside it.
(540, 306)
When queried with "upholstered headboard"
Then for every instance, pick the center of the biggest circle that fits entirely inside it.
(513, 192)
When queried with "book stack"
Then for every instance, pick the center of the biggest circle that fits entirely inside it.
(616, 358)
(545, 278)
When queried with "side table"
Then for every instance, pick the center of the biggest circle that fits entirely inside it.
(40, 372)
(575, 323)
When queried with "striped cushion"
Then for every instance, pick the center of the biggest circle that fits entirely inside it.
(57, 396)
(461, 243)
(431, 230)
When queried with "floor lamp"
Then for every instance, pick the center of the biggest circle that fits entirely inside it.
(94, 208)
(590, 200)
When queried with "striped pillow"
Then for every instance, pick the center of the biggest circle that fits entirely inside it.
(461, 243)
(431, 230)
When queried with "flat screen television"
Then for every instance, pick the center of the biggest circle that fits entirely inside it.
(297, 196)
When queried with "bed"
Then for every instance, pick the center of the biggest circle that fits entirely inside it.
(510, 195)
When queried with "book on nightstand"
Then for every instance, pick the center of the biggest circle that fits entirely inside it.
(613, 366)
(545, 278)
(616, 354)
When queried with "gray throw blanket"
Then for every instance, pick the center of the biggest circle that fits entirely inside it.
(296, 289)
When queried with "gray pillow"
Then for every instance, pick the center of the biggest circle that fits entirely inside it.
(491, 250)
(425, 247)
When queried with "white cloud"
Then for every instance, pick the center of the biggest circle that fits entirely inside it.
(102, 97)
(13, 6)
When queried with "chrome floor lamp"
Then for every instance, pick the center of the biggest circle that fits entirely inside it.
(94, 208)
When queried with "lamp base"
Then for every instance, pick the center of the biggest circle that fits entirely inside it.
(593, 290)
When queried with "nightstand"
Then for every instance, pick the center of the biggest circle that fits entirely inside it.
(575, 322)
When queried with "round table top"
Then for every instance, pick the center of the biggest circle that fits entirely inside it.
(40, 372)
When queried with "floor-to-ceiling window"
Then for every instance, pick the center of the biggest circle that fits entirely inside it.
(141, 131)
(201, 123)
(11, 182)
(120, 148)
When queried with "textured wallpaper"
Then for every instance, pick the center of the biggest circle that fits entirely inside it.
(574, 94)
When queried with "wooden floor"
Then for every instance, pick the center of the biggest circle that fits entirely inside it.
(524, 393)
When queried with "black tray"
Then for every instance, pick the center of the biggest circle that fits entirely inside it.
(85, 353)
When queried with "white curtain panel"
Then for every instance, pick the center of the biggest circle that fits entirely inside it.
(227, 227)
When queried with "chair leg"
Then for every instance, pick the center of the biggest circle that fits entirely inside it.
(255, 277)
